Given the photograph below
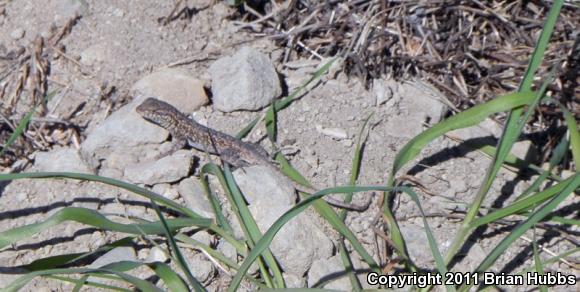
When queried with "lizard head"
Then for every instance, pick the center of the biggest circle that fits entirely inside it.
(158, 112)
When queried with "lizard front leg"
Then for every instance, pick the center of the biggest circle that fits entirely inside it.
(176, 144)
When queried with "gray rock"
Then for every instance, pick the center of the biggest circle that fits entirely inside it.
(203, 237)
(227, 249)
(335, 133)
(202, 269)
(422, 98)
(122, 253)
(166, 190)
(194, 196)
(269, 195)
(244, 81)
(120, 133)
(65, 9)
(417, 103)
(95, 54)
(60, 160)
(458, 185)
(486, 129)
(17, 33)
(157, 254)
(404, 126)
(382, 89)
(167, 169)
(525, 150)
(294, 281)
(173, 86)
(330, 269)
(417, 244)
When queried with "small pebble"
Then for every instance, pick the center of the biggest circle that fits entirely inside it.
(347, 143)
(336, 133)
(17, 34)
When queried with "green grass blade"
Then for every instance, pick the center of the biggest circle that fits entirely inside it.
(113, 182)
(557, 156)
(83, 282)
(553, 260)
(538, 263)
(18, 131)
(251, 229)
(80, 283)
(356, 161)
(324, 210)
(66, 259)
(512, 127)
(334, 220)
(526, 225)
(439, 262)
(172, 279)
(114, 269)
(276, 226)
(247, 223)
(95, 219)
(286, 101)
(22, 124)
(290, 171)
(177, 255)
(470, 117)
(217, 256)
(574, 134)
(521, 205)
(354, 173)
(211, 168)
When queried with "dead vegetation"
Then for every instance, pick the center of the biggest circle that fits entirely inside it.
(471, 51)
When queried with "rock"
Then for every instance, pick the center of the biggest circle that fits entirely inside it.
(487, 132)
(423, 99)
(336, 133)
(329, 270)
(167, 169)
(60, 160)
(203, 237)
(475, 255)
(65, 9)
(191, 190)
(95, 54)
(244, 81)
(404, 126)
(294, 281)
(17, 34)
(417, 244)
(227, 249)
(122, 253)
(269, 195)
(166, 190)
(458, 185)
(525, 150)
(175, 87)
(382, 90)
(201, 268)
(417, 103)
(120, 133)
(157, 254)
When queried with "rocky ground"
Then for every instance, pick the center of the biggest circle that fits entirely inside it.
(120, 52)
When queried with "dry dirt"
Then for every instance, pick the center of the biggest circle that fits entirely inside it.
(115, 43)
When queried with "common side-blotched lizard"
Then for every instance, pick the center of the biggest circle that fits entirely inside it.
(231, 150)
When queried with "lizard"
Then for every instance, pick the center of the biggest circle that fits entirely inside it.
(230, 149)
